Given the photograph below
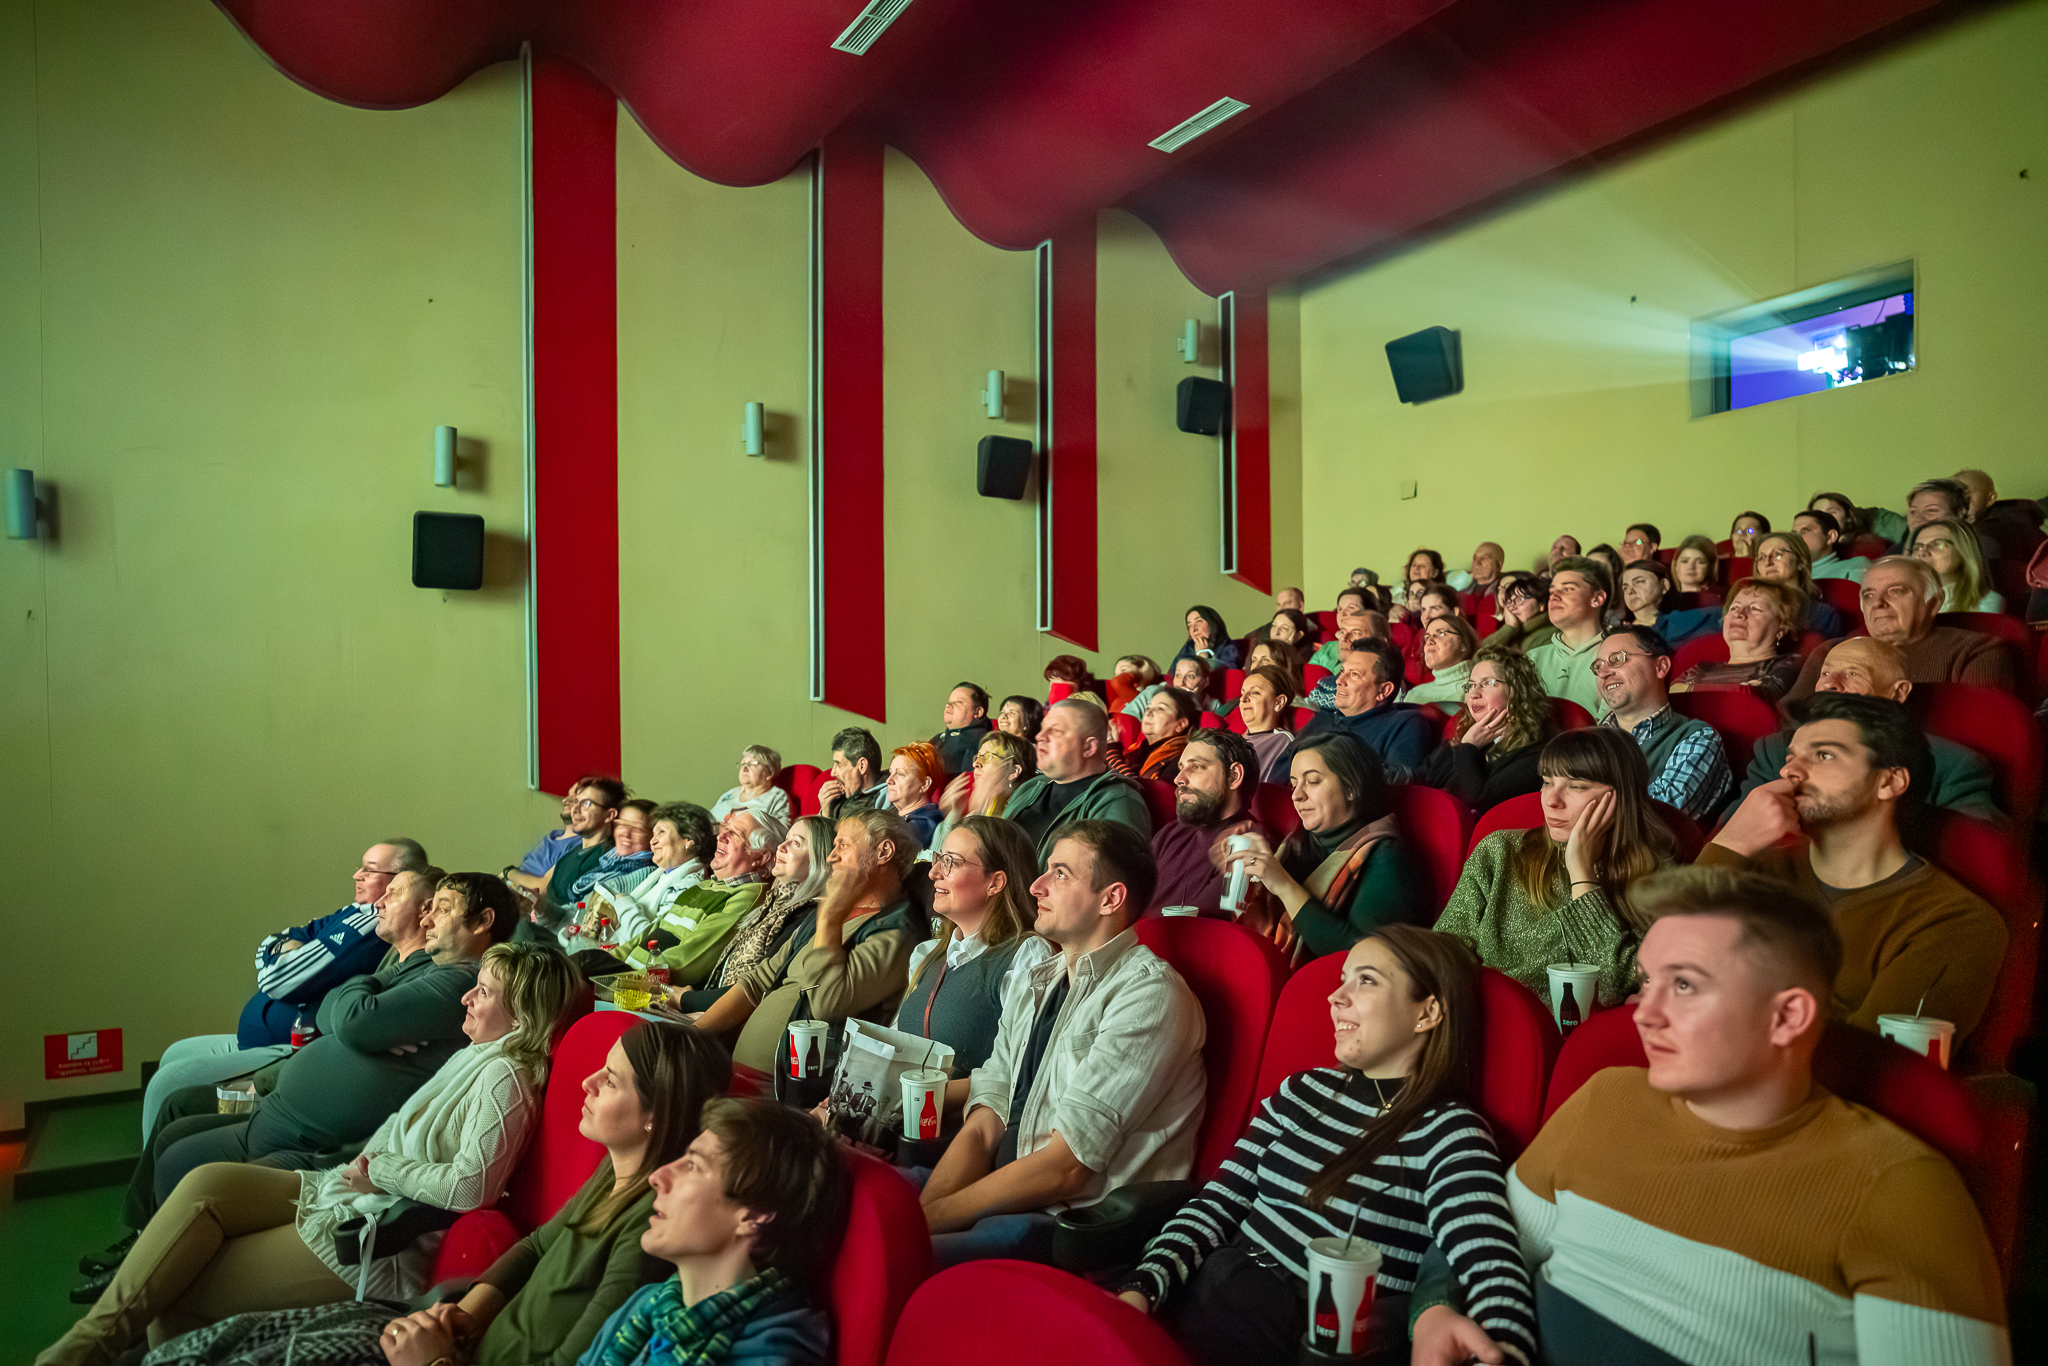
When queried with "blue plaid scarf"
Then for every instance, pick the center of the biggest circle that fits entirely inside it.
(611, 865)
(671, 1333)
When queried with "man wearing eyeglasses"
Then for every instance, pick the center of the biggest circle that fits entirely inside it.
(591, 818)
(1900, 597)
(1640, 543)
(1688, 766)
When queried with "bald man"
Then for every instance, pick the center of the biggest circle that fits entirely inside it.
(1901, 597)
(1477, 583)
(1962, 779)
(1074, 782)
(2009, 527)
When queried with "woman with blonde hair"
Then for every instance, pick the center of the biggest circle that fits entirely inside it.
(1558, 893)
(1782, 557)
(234, 1237)
(1760, 623)
(1496, 743)
(1952, 548)
(1696, 568)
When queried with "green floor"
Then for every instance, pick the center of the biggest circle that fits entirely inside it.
(40, 1242)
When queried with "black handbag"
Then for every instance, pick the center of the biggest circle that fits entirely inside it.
(398, 1228)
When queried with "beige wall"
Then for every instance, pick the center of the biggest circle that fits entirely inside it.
(1575, 312)
(231, 314)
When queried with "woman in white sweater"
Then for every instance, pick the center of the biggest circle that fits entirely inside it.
(234, 1237)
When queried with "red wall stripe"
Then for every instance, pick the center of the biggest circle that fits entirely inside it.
(850, 424)
(1252, 420)
(576, 424)
(1070, 453)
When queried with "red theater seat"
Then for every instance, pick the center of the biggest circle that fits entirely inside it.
(1699, 650)
(886, 1255)
(1273, 803)
(1436, 826)
(1995, 724)
(2014, 632)
(1233, 684)
(1739, 718)
(1326, 624)
(1566, 714)
(1993, 864)
(1844, 595)
(1159, 800)
(1302, 717)
(1983, 1134)
(1004, 1313)
(1526, 813)
(1235, 721)
(1312, 674)
(1128, 733)
(1517, 1044)
(1237, 976)
(801, 782)
(1210, 720)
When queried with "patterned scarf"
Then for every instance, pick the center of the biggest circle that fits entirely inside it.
(750, 942)
(675, 1334)
(611, 865)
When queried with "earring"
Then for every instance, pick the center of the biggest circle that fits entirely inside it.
(648, 1126)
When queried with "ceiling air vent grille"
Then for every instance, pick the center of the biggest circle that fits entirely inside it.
(1181, 134)
(870, 24)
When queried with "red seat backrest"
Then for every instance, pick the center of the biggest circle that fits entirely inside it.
(2014, 632)
(1981, 1134)
(1739, 718)
(1235, 721)
(1844, 595)
(1128, 732)
(1566, 714)
(1302, 717)
(1514, 1051)
(1007, 1313)
(886, 1254)
(1237, 976)
(1312, 674)
(1159, 802)
(1210, 720)
(1735, 569)
(1699, 650)
(1273, 804)
(1326, 624)
(1993, 864)
(559, 1159)
(1436, 826)
(801, 782)
(1233, 684)
(1995, 724)
(1867, 546)
(1526, 813)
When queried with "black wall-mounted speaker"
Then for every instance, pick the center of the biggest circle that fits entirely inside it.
(1002, 466)
(1427, 364)
(1201, 406)
(447, 550)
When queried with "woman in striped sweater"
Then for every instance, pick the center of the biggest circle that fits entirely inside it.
(1383, 1145)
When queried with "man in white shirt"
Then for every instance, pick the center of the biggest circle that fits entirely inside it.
(1579, 594)
(1096, 1081)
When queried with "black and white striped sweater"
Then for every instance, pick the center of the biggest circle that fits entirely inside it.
(1441, 1183)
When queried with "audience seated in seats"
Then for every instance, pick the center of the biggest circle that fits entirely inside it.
(1096, 1079)
(1719, 1206)
(1949, 546)
(1191, 676)
(1424, 566)
(234, 1237)
(1219, 772)
(1069, 672)
(1761, 625)
(1434, 602)
(1170, 717)
(295, 969)
(596, 809)
(859, 782)
(2012, 525)
(1851, 786)
(1266, 705)
(1073, 782)
(1346, 871)
(1743, 534)
(1499, 738)
(1854, 521)
(1563, 892)
(1900, 598)
(751, 1218)
(857, 958)
(1645, 584)
(756, 789)
(981, 890)
(1292, 598)
(630, 860)
(1353, 606)
(966, 725)
(1479, 581)
(1002, 762)
(1579, 593)
(1696, 567)
(679, 842)
(1962, 780)
(546, 1297)
(916, 778)
(381, 1037)
(1930, 501)
(1351, 632)
(531, 872)
(1782, 557)
(1398, 733)
(688, 933)
(1688, 765)
(1641, 542)
(1132, 675)
(1523, 611)
(1448, 644)
(1209, 639)
(1822, 535)
(1384, 1146)
(787, 912)
(1115, 753)
(1608, 558)
(1020, 716)
(1563, 548)
(1290, 626)
(1282, 655)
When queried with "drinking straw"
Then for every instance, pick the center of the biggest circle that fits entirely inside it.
(1930, 987)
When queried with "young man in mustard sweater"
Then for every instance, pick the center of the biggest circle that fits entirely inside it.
(1719, 1206)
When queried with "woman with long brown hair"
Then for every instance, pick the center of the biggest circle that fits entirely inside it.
(1558, 893)
(1494, 749)
(1415, 1169)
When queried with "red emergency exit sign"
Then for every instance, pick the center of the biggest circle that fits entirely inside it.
(81, 1055)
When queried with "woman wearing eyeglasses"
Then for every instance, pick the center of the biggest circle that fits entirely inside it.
(1494, 750)
(1524, 613)
(1782, 557)
(1448, 644)
(1951, 548)
(1760, 623)
(1001, 764)
(981, 892)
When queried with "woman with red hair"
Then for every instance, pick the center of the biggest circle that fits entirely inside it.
(916, 777)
